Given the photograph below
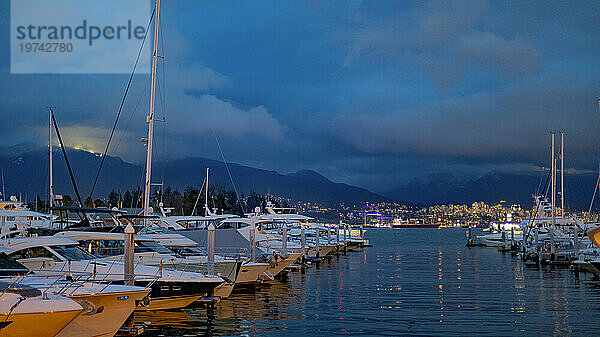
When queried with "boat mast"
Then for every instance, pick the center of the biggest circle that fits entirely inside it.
(553, 198)
(51, 190)
(206, 195)
(150, 117)
(562, 178)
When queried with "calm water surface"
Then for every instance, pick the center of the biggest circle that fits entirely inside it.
(412, 281)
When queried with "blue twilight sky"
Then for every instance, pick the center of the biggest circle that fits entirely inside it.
(371, 93)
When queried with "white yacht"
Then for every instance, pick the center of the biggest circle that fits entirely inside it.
(104, 307)
(227, 240)
(169, 289)
(15, 216)
(271, 245)
(147, 251)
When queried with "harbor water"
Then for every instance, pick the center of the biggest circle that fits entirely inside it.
(413, 282)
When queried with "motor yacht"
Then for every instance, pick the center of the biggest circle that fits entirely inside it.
(169, 289)
(26, 311)
(104, 307)
(148, 251)
(228, 242)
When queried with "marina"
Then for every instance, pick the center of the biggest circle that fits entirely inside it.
(279, 168)
(411, 282)
(115, 271)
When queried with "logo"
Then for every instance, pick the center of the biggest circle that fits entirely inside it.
(79, 37)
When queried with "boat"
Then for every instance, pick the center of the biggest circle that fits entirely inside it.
(228, 242)
(169, 289)
(15, 216)
(148, 251)
(26, 311)
(104, 307)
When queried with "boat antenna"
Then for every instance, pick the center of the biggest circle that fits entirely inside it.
(62, 147)
(112, 132)
(150, 118)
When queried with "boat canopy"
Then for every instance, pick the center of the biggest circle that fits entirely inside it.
(22, 213)
(14, 245)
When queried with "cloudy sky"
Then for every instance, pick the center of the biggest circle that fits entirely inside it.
(370, 93)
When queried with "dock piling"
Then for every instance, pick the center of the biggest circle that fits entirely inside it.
(128, 270)
(338, 235)
(318, 246)
(285, 242)
(303, 241)
(210, 242)
(252, 241)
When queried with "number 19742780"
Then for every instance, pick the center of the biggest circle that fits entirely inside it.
(32, 47)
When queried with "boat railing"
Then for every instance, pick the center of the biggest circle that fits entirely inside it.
(15, 281)
(232, 252)
(66, 283)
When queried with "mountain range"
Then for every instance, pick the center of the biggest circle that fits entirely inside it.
(25, 172)
(493, 187)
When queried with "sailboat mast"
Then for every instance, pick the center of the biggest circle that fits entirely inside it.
(553, 198)
(51, 175)
(562, 178)
(150, 118)
(206, 195)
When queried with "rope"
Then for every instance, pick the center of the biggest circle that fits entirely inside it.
(594, 195)
(112, 132)
(198, 198)
(62, 147)
(228, 172)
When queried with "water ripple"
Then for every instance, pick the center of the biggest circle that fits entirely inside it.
(412, 282)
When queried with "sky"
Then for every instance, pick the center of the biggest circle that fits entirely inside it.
(370, 93)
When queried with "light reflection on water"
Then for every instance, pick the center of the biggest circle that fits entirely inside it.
(413, 281)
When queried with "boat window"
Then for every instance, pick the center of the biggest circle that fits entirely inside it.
(116, 247)
(198, 224)
(235, 225)
(187, 251)
(33, 252)
(103, 247)
(73, 253)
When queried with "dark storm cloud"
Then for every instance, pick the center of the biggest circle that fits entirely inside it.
(510, 125)
(501, 91)
(370, 93)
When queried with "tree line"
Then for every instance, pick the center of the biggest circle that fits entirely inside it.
(190, 202)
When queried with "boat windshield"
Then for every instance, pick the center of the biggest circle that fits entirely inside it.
(234, 225)
(9, 266)
(116, 247)
(149, 246)
(73, 253)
